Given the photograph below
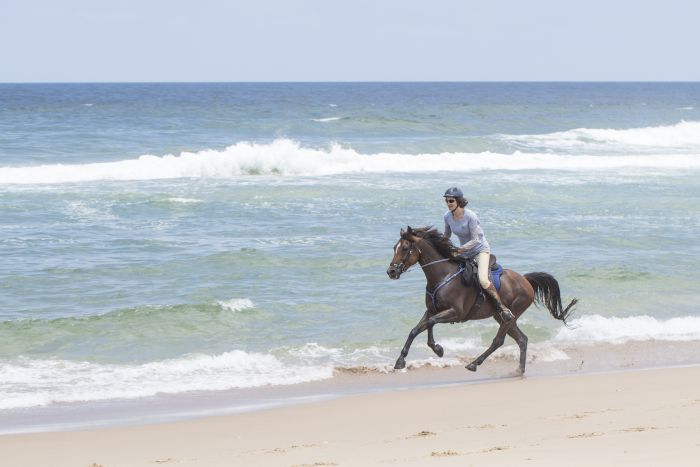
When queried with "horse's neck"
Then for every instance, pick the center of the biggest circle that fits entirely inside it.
(436, 272)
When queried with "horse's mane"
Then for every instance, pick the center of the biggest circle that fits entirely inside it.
(442, 244)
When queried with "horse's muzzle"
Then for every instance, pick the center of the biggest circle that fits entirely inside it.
(394, 271)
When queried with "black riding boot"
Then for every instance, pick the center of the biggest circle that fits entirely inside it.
(506, 314)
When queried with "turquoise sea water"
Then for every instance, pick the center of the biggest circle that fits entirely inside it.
(177, 237)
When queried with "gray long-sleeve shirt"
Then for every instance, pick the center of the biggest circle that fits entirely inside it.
(469, 231)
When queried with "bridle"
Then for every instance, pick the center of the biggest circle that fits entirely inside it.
(401, 267)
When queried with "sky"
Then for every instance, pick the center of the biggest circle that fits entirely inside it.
(348, 40)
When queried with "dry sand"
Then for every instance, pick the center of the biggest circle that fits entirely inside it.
(643, 417)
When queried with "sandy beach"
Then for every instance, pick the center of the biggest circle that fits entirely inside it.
(635, 417)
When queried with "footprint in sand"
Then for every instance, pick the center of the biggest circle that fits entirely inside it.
(496, 448)
(293, 446)
(639, 429)
(445, 453)
(585, 435)
(585, 414)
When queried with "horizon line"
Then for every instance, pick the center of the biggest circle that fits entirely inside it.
(371, 82)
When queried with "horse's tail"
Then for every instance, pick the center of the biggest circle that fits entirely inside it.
(547, 294)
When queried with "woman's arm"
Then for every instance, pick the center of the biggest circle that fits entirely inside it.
(473, 234)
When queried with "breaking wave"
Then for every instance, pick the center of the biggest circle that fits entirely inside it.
(684, 135)
(285, 157)
(596, 328)
(27, 383)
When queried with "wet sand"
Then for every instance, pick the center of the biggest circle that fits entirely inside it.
(640, 417)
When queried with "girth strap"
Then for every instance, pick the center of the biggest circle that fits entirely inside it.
(477, 303)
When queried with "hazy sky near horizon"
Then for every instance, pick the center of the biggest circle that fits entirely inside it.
(348, 40)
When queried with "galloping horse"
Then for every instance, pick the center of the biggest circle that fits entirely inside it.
(447, 300)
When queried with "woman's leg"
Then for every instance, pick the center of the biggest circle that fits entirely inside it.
(482, 263)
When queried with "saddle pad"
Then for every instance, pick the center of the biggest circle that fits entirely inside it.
(496, 276)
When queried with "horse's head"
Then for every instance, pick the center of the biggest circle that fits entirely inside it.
(406, 253)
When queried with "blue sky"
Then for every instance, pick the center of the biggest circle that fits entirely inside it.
(349, 40)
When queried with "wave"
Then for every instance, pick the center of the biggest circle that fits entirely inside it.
(236, 304)
(139, 331)
(596, 328)
(28, 383)
(327, 119)
(288, 158)
(43, 381)
(683, 135)
(184, 200)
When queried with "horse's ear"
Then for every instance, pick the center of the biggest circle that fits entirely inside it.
(410, 230)
(403, 232)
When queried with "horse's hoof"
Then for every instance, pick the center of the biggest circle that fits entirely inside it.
(400, 364)
(439, 351)
(471, 367)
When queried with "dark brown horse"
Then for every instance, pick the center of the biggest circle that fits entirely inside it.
(447, 300)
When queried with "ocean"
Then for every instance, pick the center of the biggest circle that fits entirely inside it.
(191, 238)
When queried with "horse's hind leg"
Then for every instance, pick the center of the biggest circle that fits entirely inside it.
(515, 332)
(497, 342)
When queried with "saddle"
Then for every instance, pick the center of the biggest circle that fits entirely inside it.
(470, 277)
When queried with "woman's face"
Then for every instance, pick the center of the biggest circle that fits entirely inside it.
(451, 203)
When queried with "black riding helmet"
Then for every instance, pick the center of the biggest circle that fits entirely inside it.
(453, 192)
(456, 193)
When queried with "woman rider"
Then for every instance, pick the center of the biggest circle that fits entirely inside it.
(464, 223)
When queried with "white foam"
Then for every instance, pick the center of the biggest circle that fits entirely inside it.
(681, 135)
(27, 383)
(184, 200)
(327, 119)
(236, 304)
(596, 328)
(82, 211)
(313, 353)
(541, 352)
(462, 345)
(288, 158)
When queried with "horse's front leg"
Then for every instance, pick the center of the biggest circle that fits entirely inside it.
(446, 316)
(420, 327)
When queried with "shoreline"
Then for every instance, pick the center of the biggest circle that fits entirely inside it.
(640, 416)
(194, 405)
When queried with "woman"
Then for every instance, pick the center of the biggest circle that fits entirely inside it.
(464, 223)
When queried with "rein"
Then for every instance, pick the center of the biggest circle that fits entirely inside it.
(423, 266)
